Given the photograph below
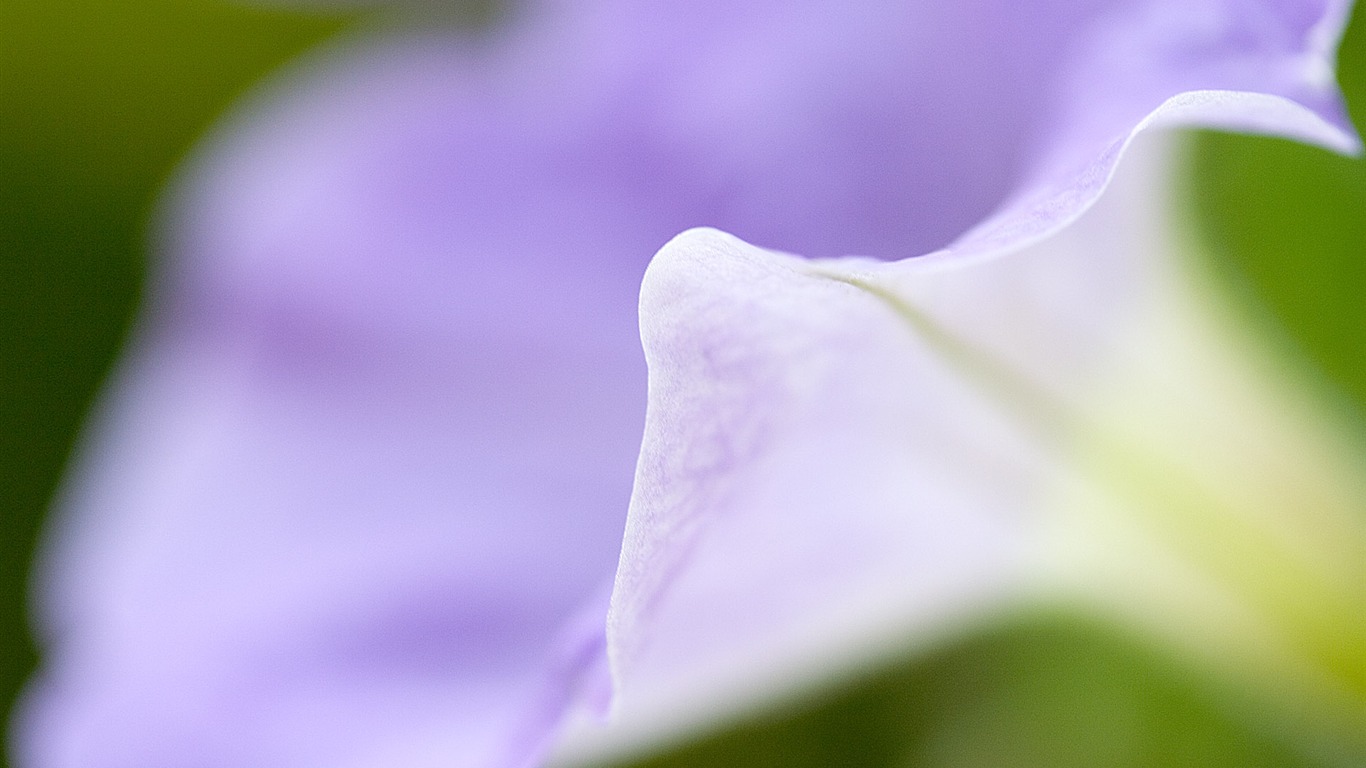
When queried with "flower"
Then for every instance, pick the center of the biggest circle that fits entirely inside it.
(357, 497)
(843, 458)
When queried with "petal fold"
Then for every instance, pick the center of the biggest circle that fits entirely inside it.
(845, 461)
(837, 465)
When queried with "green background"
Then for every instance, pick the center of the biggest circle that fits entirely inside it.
(99, 99)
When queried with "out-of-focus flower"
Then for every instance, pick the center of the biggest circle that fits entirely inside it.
(358, 496)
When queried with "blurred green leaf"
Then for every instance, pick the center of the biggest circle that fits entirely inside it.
(1042, 691)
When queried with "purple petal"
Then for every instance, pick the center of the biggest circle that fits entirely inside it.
(802, 499)
(843, 462)
(889, 128)
(360, 489)
(823, 479)
(359, 496)
(777, 516)
(1242, 65)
